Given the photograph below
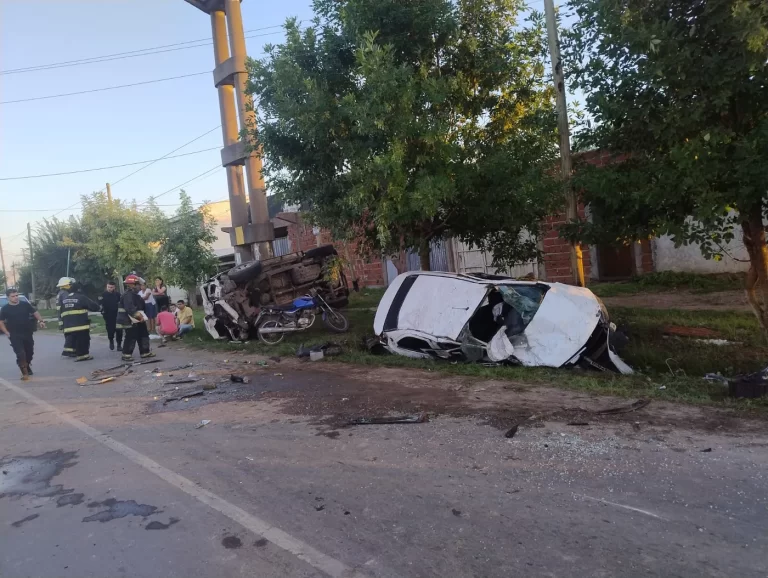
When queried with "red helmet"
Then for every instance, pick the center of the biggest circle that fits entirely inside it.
(132, 279)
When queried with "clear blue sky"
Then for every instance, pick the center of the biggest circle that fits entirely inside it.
(113, 127)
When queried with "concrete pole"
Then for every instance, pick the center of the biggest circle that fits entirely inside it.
(109, 194)
(257, 193)
(2, 261)
(237, 202)
(571, 211)
(31, 262)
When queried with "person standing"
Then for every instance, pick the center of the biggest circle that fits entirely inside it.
(65, 288)
(16, 321)
(150, 307)
(184, 317)
(160, 293)
(132, 319)
(74, 313)
(110, 301)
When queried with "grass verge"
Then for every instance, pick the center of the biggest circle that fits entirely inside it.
(669, 368)
(671, 281)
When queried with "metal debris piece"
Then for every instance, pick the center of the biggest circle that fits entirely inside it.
(209, 386)
(179, 381)
(147, 362)
(327, 349)
(638, 405)
(239, 379)
(419, 418)
(184, 396)
(512, 431)
(203, 423)
(706, 450)
(577, 423)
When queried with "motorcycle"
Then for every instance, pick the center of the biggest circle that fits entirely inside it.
(274, 322)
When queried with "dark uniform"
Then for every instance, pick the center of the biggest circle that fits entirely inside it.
(69, 349)
(74, 314)
(110, 302)
(20, 322)
(135, 332)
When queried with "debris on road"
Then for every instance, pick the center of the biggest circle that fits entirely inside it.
(750, 385)
(706, 450)
(238, 379)
(512, 431)
(274, 358)
(577, 423)
(683, 331)
(209, 386)
(184, 396)
(635, 406)
(326, 350)
(420, 418)
(180, 381)
(374, 345)
(203, 423)
(316, 355)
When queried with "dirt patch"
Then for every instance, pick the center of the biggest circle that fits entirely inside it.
(686, 300)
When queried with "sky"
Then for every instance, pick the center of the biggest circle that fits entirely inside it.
(116, 126)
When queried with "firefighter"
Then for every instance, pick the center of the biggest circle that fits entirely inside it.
(132, 319)
(65, 287)
(74, 314)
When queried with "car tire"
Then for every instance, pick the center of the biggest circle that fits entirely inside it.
(324, 251)
(245, 271)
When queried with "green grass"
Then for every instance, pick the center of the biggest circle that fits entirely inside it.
(97, 324)
(671, 281)
(648, 351)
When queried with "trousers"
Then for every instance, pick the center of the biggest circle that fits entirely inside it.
(138, 333)
(23, 345)
(69, 347)
(113, 330)
(81, 341)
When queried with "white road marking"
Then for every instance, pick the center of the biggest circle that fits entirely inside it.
(638, 510)
(262, 528)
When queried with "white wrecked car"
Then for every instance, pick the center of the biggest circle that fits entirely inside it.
(489, 318)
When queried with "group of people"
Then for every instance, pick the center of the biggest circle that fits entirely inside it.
(129, 319)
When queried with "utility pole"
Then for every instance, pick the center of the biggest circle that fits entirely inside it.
(13, 268)
(31, 261)
(2, 261)
(572, 203)
(109, 194)
(252, 234)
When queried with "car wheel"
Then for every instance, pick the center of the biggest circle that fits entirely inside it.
(324, 251)
(245, 271)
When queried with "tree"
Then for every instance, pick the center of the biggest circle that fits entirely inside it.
(399, 122)
(121, 237)
(185, 254)
(677, 92)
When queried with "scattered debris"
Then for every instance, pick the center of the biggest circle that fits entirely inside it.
(326, 350)
(209, 386)
(320, 507)
(184, 396)
(263, 363)
(278, 375)
(180, 381)
(662, 387)
(577, 423)
(177, 368)
(374, 346)
(716, 377)
(82, 380)
(455, 512)
(203, 423)
(512, 431)
(420, 418)
(750, 385)
(706, 450)
(717, 342)
(638, 405)
(249, 458)
(239, 379)
(683, 331)
(316, 355)
(274, 358)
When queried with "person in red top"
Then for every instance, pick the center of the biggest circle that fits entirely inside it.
(166, 324)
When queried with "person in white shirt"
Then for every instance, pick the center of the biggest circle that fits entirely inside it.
(150, 307)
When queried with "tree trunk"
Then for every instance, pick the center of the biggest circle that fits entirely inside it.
(192, 296)
(424, 251)
(756, 283)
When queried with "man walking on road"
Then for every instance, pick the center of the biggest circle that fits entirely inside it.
(65, 287)
(74, 313)
(132, 319)
(17, 321)
(110, 301)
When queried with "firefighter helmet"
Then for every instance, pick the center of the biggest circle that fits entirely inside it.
(65, 282)
(132, 279)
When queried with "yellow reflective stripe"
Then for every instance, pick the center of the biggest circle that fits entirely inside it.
(75, 312)
(78, 328)
(69, 349)
(120, 310)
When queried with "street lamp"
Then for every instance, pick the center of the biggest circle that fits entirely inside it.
(251, 237)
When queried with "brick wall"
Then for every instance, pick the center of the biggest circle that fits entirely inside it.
(557, 251)
(368, 271)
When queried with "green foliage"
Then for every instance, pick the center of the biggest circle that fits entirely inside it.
(400, 122)
(185, 255)
(664, 281)
(121, 237)
(678, 88)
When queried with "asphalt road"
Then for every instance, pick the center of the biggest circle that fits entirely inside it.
(101, 481)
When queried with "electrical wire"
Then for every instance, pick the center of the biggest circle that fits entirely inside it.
(155, 197)
(50, 210)
(109, 167)
(133, 53)
(105, 88)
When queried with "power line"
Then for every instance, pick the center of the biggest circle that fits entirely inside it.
(50, 210)
(105, 88)
(154, 197)
(109, 167)
(132, 53)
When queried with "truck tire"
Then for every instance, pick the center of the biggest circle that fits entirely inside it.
(322, 252)
(245, 272)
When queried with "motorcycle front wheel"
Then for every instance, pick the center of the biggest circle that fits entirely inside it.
(270, 338)
(335, 321)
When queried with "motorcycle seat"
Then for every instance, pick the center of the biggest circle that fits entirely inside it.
(286, 307)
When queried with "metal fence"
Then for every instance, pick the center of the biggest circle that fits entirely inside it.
(281, 246)
(438, 257)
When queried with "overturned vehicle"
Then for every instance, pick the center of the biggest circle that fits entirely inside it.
(488, 318)
(235, 302)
